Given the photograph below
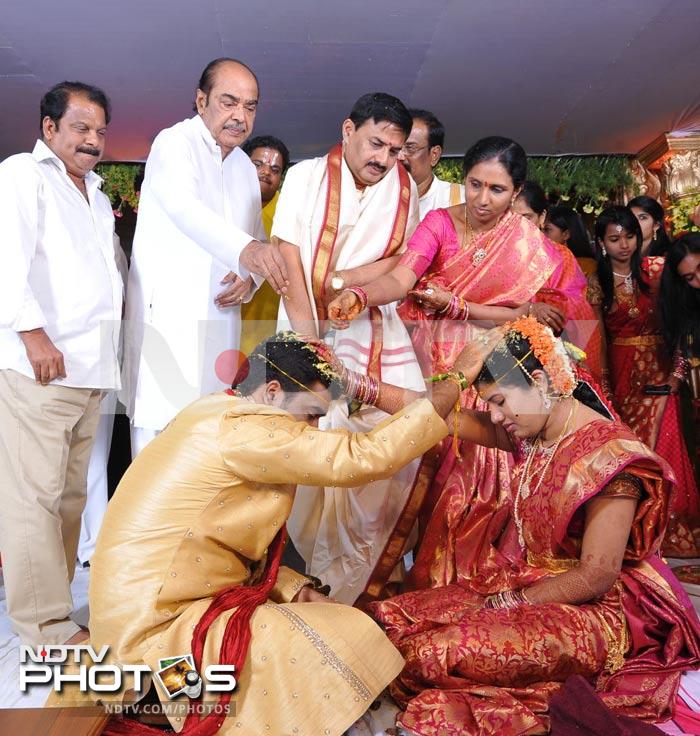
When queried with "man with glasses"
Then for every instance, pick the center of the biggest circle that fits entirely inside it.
(197, 241)
(420, 155)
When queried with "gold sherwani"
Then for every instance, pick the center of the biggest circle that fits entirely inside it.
(195, 514)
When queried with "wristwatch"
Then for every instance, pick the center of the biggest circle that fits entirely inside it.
(337, 282)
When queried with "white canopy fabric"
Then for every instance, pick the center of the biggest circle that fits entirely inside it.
(559, 76)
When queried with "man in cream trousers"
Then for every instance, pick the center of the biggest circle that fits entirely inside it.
(60, 312)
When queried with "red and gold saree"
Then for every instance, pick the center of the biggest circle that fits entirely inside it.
(638, 358)
(462, 504)
(473, 670)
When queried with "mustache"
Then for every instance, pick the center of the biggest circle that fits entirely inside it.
(238, 127)
(89, 150)
(375, 165)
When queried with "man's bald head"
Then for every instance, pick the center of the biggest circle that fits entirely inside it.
(207, 78)
(227, 99)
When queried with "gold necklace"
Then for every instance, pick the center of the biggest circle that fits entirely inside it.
(480, 253)
(527, 477)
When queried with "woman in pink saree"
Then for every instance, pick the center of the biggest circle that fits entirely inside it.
(583, 593)
(467, 267)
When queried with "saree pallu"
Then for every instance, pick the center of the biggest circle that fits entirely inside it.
(472, 670)
(461, 500)
(638, 358)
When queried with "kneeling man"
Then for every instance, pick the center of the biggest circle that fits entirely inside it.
(201, 510)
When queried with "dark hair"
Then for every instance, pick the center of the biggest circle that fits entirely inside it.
(508, 153)
(623, 216)
(660, 242)
(294, 363)
(381, 107)
(534, 196)
(267, 141)
(54, 102)
(436, 130)
(206, 79)
(679, 303)
(578, 241)
(510, 367)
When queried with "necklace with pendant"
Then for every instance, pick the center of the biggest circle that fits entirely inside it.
(527, 476)
(627, 283)
(626, 294)
(480, 253)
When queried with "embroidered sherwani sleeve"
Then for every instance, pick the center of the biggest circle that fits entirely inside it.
(173, 180)
(289, 583)
(19, 209)
(275, 449)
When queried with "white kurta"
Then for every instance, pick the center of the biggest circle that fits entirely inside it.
(341, 533)
(196, 215)
(441, 194)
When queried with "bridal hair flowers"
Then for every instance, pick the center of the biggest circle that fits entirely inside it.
(549, 351)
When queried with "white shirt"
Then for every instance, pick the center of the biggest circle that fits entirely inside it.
(196, 214)
(441, 194)
(58, 269)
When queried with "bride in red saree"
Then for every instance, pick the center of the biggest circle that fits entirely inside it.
(644, 376)
(466, 266)
(586, 592)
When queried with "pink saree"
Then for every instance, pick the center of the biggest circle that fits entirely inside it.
(472, 670)
(461, 502)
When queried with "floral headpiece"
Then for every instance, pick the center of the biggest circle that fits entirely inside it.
(549, 351)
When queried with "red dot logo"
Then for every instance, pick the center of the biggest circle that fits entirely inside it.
(43, 652)
(227, 365)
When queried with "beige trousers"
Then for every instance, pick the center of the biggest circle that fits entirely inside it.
(46, 435)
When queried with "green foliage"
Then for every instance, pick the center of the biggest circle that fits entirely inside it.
(120, 185)
(586, 183)
(679, 213)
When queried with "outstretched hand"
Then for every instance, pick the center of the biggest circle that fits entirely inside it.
(266, 260)
(432, 297)
(237, 290)
(549, 316)
(471, 360)
(343, 309)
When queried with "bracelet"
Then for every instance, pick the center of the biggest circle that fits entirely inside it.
(457, 376)
(456, 309)
(680, 366)
(507, 599)
(359, 387)
(361, 295)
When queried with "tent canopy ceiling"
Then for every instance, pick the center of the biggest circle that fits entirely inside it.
(559, 76)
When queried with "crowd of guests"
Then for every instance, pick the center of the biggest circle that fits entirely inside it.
(502, 522)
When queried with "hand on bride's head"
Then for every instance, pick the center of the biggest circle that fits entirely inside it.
(474, 353)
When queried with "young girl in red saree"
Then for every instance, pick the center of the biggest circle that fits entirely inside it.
(586, 594)
(644, 377)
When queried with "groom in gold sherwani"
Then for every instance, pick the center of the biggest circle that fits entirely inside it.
(196, 513)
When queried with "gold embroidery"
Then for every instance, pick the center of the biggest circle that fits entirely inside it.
(617, 643)
(622, 486)
(551, 564)
(594, 294)
(639, 341)
(329, 655)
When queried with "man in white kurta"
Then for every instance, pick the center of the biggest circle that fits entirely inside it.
(341, 534)
(420, 155)
(195, 248)
(60, 315)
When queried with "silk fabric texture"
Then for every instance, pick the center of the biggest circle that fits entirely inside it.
(196, 512)
(463, 499)
(472, 670)
(638, 357)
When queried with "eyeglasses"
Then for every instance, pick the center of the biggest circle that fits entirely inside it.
(412, 150)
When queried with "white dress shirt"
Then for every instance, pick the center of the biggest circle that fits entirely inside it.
(58, 269)
(196, 214)
(441, 194)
